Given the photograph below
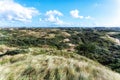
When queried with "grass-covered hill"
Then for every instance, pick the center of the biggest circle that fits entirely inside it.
(51, 64)
(57, 54)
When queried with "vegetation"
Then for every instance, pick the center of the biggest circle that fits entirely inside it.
(34, 54)
(53, 67)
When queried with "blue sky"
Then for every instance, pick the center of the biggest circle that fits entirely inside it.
(63, 13)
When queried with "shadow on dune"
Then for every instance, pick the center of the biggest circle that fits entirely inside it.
(12, 53)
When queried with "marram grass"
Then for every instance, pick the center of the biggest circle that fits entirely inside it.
(46, 67)
(52, 64)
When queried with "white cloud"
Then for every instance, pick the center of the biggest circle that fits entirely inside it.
(75, 14)
(12, 11)
(89, 17)
(54, 12)
(53, 17)
(40, 19)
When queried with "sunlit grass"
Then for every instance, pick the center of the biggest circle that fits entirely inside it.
(41, 64)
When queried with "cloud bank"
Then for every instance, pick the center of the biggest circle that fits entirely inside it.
(12, 11)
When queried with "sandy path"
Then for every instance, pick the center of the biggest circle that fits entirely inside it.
(116, 40)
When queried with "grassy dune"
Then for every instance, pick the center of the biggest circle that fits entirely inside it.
(43, 64)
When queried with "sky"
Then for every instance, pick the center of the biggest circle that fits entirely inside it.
(59, 13)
